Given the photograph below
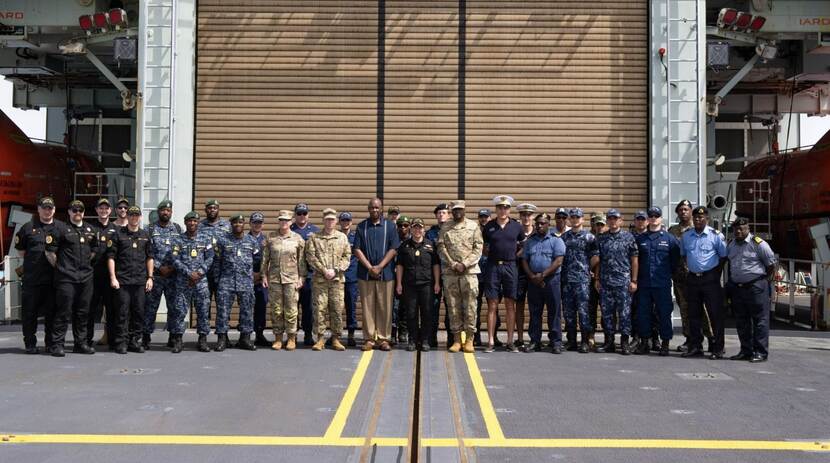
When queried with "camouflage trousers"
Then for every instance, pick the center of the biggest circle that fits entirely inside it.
(616, 303)
(283, 299)
(575, 297)
(328, 300)
(224, 302)
(198, 296)
(679, 288)
(167, 287)
(461, 292)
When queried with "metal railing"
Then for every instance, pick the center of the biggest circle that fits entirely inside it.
(793, 281)
(11, 289)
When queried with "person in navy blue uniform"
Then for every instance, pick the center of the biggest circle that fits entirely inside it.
(101, 303)
(502, 236)
(527, 213)
(304, 228)
(659, 255)
(257, 220)
(751, 270)
(542, 258)
(418, 268)
(580, 259)
(442, 214)
(350, 291)
(163, 233)
(483, 220)
(705, 253)
(214, 227)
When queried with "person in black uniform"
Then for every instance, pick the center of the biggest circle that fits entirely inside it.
(37, 272)
(101, 302)
(73, 249)
(130, 263)
(418, 271)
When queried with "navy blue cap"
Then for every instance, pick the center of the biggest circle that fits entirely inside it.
(345, 215)
(641, 214)
(484, 213)
(655, 211)
(575, 212)
(562, 211)
(301, 207)
(613, 213)
(257, 217)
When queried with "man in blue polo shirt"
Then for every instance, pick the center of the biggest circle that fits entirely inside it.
(501, 245)
(375, 245)
(543, 255)
(705, 252)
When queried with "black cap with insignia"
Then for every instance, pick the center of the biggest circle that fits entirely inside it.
(700, 210)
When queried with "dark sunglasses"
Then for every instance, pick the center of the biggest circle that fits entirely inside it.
(653, 216)
(301, 213)
(76, 209)
(122, 207)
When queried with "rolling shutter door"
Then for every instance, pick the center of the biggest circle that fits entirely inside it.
(421, 105)
(286, 105)
(556, 102)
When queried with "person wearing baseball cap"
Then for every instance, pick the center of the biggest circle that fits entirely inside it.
(284, 270)
(618, 267)
(705, 252)
(442, 215)
(560, 218)
(121, 207)
(416, 274)
(193, 254)
(215, 227)
(163, 236)
(304, 228)
(257, 220)
(350, 291)
(101, 305)
(580, 256)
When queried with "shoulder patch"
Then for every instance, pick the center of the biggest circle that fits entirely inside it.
(758, 239)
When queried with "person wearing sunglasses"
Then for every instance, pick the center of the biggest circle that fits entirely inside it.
(102, 304)
(121, 208)
(304, 228)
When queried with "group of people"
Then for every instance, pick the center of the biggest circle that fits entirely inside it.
(400, 271)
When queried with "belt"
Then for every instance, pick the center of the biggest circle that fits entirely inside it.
(701, 274)
(505, 262)
(748, 283)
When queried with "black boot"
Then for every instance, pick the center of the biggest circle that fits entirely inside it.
(655, 344)
(624, 348)
(642, 348)
(260, 340)
(571, 346)
(145, 341)
(583, 346)
(477, 339)
(170, 340)
(57, 350)
(634, 343)
(449, 339)
(607, 346)
(202, 344)
(221, 342)
(403, 337)
(177, 344)
(350, 340)
(245, 342)
(135, 346)
(83, 348)
(664, 348)
(308, 339)
(394, 338)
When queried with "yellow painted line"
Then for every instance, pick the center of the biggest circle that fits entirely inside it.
(335, 429)
(491, 421)
(276, 441)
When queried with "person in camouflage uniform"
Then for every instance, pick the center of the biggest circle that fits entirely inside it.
(681, 272)
(460, 244)
(163, 234)
(283, 274)
(328, 252)
(214, 227)
(236, 252)
(193, 256)
(617, 280)
(580, 245)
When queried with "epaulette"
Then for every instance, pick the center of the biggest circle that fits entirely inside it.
(758, 239)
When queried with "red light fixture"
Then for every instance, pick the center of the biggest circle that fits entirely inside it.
(743, 21)
(757, 23)
(85, 22)
(101, 21)
(117, 17)
(727, 17)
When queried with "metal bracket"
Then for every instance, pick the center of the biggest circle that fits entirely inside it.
(128, 100)
(712, 106)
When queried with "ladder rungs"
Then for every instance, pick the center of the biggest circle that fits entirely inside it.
(674, 182)
(684, 121)
(682, 101)
(683, 141)
(683, 162)
(681, 60)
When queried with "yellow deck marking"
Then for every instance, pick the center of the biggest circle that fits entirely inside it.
(491, 421)
(335, 429)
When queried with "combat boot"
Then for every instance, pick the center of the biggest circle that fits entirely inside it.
(221, 342)
(177, 344)
(203, 345)
(320, 344)
(450, 339)
(655, 344)
(607, 346)
(642, 348)
(245, 342)
(336, 344)
(292, 342)
(260, 340)
(477, 339)
(624, 348)
(469, 348)
(664, 348)
(571, 346)
(277, 345)
(350, 340)
(394, 338)
(145, 341)
(170, 341)
(634, 343)
(455, 347)
(308, 339)
(583, 346)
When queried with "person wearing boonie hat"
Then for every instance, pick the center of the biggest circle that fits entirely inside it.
(283, 274)
(237, 251)
(442, 215)
(101, 302)
(131, 268)
(163, 236)
(580, 252)
(683, 209)
(304, 228)
(72, 248)
(193, 254)
(560, 218)
(257, 219)
(460, 245)
(617, 269)
(417, 271)
(329, 254)
(527, 214)
(704, 249)
(37, 273)
(350, 292)
(215, 227)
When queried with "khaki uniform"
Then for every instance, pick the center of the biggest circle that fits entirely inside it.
(460, 242)
(328, 252)
(679, 284)
(283, 260)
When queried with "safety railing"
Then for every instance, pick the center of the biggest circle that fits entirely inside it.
(799, 287)
(10, 289)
